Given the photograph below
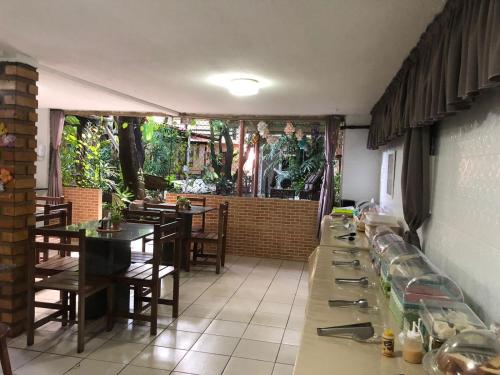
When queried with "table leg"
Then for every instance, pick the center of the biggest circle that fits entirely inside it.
(188, 225)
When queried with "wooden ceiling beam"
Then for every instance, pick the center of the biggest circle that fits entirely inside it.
(113, 113)
(210, 116)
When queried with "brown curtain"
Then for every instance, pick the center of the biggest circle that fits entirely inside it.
(456, 58)
(327, 196)
(415, 181)
(55, 173)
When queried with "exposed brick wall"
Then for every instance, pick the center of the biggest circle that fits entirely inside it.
(18, 103)
(263, 227)
(87, 203)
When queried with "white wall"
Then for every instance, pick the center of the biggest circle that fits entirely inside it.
(43, 139)
(462, 236)
(360, 167)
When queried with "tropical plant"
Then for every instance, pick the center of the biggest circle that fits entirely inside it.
(294, 159)
(221, 162)
(115, 208)
(87, 161)
(164, 147)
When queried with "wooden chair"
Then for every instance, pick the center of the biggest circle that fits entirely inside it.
(201, 201)
(69, 283)
(48, 200)
(218, 238)
(49, 219)
(157, 207)
(4, 352)
(146, 217)
(148, 277)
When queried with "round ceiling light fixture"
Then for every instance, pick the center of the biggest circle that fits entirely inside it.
(243, 86)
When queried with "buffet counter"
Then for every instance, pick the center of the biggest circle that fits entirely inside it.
(334, 355)
(328, 236)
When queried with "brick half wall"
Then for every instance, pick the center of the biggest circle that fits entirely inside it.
(264, 227)
(87, 203)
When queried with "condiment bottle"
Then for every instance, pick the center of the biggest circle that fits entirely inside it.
(388, 343)
(413, 350)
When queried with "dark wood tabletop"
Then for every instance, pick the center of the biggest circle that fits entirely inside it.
(194, 210)
(128, 231)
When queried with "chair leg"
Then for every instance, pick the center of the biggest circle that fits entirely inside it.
(155, 291)
(175, 295)
(143, 245)
(110, 304)
(218, 259)
(64, 303)
(195, 252)
(137, 299)
(188, 256)
(81, 324)
(223, 258)
(4, 357)
(30, 327)
(72, 307)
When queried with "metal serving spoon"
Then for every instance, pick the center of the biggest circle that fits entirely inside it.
(354, 263)
(362, 281)
(361, 303)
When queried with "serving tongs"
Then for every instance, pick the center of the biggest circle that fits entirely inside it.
(362, 332)
(362, 281)
(350, 263)
(352, 251)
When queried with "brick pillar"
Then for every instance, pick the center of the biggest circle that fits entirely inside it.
(18, 103)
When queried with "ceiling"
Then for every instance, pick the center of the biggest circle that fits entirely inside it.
(318, 56)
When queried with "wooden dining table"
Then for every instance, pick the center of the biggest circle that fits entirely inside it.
(187, 216)
(108, 253)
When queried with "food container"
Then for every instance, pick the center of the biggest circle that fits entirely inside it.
(395, 258)
(373, 220)
(475, 352)
(380, 243)
(441, 320)
(405, 295)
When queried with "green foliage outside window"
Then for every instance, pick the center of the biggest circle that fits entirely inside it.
(87, 162)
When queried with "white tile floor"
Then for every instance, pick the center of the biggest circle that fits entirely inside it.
(245, 321)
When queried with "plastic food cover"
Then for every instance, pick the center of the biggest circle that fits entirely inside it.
(408, 266)
(381, 241)
(434, 286)
(444, 319)
(397, 251)
(474, 352)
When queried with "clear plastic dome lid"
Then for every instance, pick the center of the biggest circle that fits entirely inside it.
(433, 286)
(382, 229)
(382, 241)
(443, 319)
(408, 266)
(475, 352)
(397, 249)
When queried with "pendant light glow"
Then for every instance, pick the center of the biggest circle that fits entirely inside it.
(243, 87)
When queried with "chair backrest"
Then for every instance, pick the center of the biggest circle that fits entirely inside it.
(223, 217)
(58, 218)
(49, 200)
(164, 233)
(68, 207)
(160, 206)
(198, 201)
(62, 241)
(148, 216)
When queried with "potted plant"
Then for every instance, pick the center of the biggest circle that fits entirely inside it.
(115, 209)
(183, 203)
